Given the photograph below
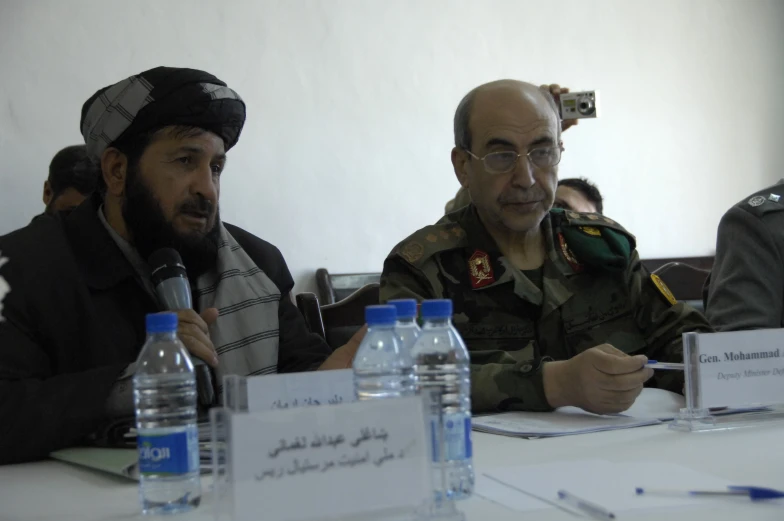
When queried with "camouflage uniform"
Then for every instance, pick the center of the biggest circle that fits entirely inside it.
(593, 289)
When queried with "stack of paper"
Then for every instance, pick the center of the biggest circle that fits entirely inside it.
(562, 422)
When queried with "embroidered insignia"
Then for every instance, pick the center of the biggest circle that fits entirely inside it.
(590, 230)
(573, 215)
(663, 289)
(593, 217)
(774, 197)
(757, 200)
(412, 252)
(480, 269)
(444, 234)
(457, 231)
(608, 220)
(568, 255)
(431, 237)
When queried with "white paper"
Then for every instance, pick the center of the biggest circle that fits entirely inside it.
(322, 462)
(284, 391)
(561, 422)
(726, 380)
(611, 485)
(663, 405)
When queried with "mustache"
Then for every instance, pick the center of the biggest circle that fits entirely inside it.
(522, 197)
(198, 205)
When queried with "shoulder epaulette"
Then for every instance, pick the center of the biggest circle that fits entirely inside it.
(430, 240)
(595, 240)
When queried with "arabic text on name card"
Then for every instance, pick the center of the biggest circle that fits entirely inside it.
(343, 460)
(285, 391)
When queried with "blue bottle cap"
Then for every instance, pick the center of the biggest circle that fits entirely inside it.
(437, 309)
(406, 307)
(380, 315)
(161, 322)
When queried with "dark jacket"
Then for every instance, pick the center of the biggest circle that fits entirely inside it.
(75, 320)
(745, 290)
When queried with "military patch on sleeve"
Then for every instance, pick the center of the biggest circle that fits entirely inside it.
(756, 200)
(590, 230)
(480, 269)
(663, 289)
(568, 255)
(412, 252)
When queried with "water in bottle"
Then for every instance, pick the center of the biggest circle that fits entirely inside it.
(442, 371)
(406, 327)
(382, 367)
(168, 440)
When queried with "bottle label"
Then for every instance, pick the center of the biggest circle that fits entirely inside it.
(169, 452)
(457, 438)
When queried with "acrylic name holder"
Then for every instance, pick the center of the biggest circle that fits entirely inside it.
(284, 391)
(734, 369)
(363, 460)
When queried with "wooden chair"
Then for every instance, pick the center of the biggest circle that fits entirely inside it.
(334, 288)
(338, 322)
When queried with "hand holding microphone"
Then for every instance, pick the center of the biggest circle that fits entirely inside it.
(174, 292)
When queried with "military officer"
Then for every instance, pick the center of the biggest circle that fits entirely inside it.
(555, 306)
(746, 287)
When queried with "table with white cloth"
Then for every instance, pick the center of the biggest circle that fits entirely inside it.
(51, 490)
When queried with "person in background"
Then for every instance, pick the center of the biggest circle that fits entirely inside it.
(75, 318)
(745, 289)
(555, 306)
(579, 195)
(72, 178)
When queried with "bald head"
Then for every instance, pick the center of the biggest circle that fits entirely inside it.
(501, 95)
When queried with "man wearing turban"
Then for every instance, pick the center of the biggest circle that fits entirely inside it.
(74, 322)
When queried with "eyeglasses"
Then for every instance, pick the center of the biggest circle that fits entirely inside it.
(505, 161)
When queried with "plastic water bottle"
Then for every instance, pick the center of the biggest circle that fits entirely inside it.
(406, 327)
(168, 438)
(382, 367)
(442, 370)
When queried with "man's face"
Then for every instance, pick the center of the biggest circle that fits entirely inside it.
(171, 197)
(511, 118)
(570, 199)
(69, 199)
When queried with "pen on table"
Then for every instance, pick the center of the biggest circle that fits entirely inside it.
(753, 493)
(655, 364)
(589, 508)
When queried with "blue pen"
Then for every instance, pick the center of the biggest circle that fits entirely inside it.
(753, 493)
(592, 509)
(655, 364)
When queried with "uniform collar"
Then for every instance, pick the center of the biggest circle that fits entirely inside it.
(556, 288)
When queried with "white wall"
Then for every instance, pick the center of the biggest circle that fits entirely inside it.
(350, 104)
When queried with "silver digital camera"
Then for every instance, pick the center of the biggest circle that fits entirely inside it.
(579, 105)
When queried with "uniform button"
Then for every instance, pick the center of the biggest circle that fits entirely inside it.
(526, 368)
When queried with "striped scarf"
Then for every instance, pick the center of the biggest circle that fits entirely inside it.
(246, 333)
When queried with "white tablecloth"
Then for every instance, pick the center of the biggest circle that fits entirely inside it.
(52, 490)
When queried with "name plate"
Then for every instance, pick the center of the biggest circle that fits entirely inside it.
(329, 462)
(287, 391)
(738, 368)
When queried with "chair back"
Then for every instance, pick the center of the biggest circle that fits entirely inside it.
(334, 288)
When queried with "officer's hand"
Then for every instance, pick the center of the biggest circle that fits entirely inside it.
(556, 91)
(193, 331)
(601, 380)
(343, 357)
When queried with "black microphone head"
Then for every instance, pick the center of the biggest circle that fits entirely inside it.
(166, 263)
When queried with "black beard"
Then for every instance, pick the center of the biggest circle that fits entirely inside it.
(150, 230)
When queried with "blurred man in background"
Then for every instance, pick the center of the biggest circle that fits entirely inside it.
(72, 178)
(579, 195)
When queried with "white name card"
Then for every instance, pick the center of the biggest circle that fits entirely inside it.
(285, 391)
(329, 462)
(740, 368)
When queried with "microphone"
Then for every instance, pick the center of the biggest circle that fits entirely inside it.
(174, 292)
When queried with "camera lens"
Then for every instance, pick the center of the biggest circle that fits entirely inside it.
(586, 106)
